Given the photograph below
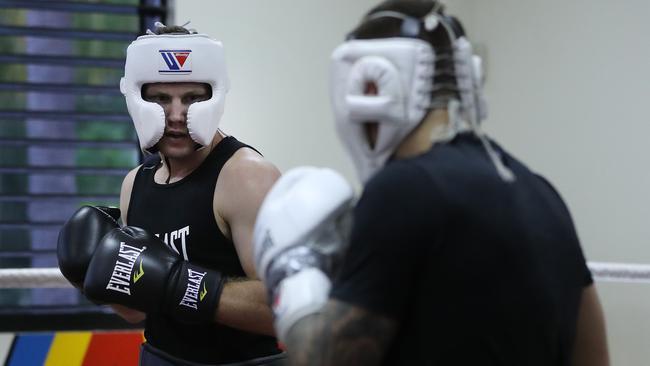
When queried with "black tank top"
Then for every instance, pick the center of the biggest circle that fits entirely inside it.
(181, 214)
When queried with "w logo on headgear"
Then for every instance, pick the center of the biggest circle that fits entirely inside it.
(175, 62)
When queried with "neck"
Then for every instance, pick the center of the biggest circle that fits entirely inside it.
(434, 127)
(178, 168)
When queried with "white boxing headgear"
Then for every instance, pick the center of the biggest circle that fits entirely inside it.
(402, 69)
(174, 58)
(426, 62)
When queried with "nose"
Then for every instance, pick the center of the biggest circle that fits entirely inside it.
(176, 112)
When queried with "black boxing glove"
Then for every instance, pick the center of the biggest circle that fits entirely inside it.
(79, 237)
(134, 268)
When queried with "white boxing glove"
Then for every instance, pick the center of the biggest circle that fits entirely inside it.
(301, 229)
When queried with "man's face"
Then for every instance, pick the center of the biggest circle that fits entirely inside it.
(175, 99)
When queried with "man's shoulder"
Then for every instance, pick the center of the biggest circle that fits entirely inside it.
(129, 178)
(422, 171)
(243, 176)
(398, 172)
(241, 186)
(126, 190)
(400, 182)
(247, 163)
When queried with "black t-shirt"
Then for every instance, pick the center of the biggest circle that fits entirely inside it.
(182, 216)
(475, 270)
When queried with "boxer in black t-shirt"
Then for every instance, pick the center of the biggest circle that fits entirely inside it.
(458, 253)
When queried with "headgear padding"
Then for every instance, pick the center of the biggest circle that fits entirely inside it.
(417, 63)
(174, 58)
(402, 69)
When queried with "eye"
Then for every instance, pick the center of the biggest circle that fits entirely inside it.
(196, 98)
(158, 98)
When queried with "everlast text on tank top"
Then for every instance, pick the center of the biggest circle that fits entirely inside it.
(181, 215)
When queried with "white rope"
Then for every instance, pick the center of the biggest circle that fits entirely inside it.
(32, 278)
(620, 272)
(52, 277)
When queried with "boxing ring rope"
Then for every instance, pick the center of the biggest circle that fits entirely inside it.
(52, 277)
(620, 272)
(32, 278)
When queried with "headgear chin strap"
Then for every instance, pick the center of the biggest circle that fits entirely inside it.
(174, 58)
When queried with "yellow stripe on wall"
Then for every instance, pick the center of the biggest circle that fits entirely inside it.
(68, 349)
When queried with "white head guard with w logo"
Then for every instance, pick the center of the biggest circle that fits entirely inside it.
(174, 58)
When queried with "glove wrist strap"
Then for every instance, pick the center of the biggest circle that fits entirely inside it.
(298, 296)
(196, 295)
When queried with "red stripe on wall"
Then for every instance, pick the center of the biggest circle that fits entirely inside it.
(113, 349)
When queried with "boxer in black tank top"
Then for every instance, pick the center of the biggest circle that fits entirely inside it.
(181, 214)
(188, 214)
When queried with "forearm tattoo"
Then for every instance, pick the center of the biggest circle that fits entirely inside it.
(340, 335)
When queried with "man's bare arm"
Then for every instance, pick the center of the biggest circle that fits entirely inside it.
(243, 306)
(130, 315)
(341, 335)
(243, 183)
(590, 347)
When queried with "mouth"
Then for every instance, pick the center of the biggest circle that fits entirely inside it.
(176, 134)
